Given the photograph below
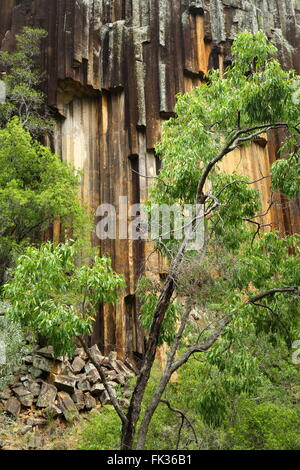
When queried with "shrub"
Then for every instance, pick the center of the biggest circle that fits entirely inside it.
(266, 426)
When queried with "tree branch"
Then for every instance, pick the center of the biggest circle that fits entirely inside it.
(183, 418)
(108, 388)
(195, 348)
(233, 143)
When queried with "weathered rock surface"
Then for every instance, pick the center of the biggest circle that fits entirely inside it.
(78, 398)
(35, 442)
(90, 401)
(67, 406)
(44, 364)
(97, 389)
(65, 383)
(13, 407)
(47, 396)
(78, 364)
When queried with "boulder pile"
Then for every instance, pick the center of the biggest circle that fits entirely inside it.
(62, 388)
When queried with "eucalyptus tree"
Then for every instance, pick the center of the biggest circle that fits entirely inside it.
(260, 274)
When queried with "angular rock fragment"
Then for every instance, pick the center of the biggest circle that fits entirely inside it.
(27, 401)
(78, 365)
(97, 389)
(78, 398)
(67, 406)
(104, 399)
(81, 353)
(132, 368)
(25, 378)
(44, 364)
(84, 385)
(46, 352)
(67, 369)
(35, 372)
(112, 384)
(35, 442)
(26, 430)
(91, 373)
(36, 422)
(53, 411)
(112, 356)
(47, 396)
(6, 394)
(65, 383)
(111, 375)
(93, 376)
(21, 391)
(34, 388)
(98, 357)
(120, 368)
(13, 407)
(125, 370)
(89, 367)
(90, 401)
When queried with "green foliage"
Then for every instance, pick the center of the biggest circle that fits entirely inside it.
(235, 361)
(240, 260)
(101, 432)
(238, 202)
(23, 79)
(265, 426)
(286, 175)
(36, 188)
(54, 297)
(255, 90)
(12, 337)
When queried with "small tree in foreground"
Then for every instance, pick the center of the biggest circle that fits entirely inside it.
(54, 297)
(36, 188)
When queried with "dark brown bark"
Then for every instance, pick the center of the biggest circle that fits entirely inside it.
(129, 427)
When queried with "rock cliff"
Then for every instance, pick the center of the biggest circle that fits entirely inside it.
(112, 70)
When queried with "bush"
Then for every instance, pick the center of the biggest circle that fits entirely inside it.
(266, 426)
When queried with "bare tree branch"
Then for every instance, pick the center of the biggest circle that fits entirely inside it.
(108, 388)
(183, 418)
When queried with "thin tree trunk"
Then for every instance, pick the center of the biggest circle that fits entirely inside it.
(134, 410)
(143, 430)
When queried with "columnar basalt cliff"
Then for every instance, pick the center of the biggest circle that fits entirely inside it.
(112, 71)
